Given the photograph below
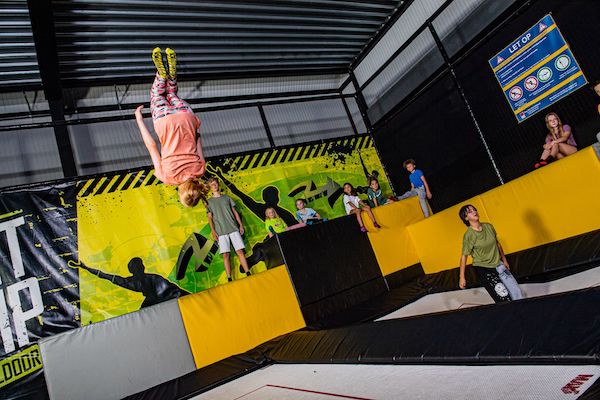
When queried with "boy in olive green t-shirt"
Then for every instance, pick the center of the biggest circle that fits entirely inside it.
(489, 261)
(226, 227)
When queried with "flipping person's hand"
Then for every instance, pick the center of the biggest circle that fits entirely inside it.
(241, 229)
(462, 283)
(214, 235)
(429, 195)
(138, 112)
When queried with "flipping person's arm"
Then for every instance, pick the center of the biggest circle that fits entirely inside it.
(200, 152)
(149, 142)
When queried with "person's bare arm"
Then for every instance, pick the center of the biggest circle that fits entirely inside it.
(565, 135)
(352, 205)
(212, 226)
(200, 152)
(462, 282)
(149, 142)
(238, 219)
(427, 191)
(502, 256)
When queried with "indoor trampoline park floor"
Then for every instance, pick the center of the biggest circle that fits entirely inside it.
(343, 381)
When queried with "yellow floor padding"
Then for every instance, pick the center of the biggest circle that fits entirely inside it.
(236, 317)
(392, 244)
(555, 202)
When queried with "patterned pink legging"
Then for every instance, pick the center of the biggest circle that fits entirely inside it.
(161, 105)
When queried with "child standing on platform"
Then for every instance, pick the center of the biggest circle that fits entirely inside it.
(180, 161)
(353, 205)
(419, 186)
(226, 227)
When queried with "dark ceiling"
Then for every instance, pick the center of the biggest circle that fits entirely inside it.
(106, 41)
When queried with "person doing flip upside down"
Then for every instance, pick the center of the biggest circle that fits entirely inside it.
(180, 161)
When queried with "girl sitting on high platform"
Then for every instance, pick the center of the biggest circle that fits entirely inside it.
(353, 205)
(559, 141)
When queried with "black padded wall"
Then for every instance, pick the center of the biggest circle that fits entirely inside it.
(515, 146)
(436, 129)
(329, 278)
(438, 133)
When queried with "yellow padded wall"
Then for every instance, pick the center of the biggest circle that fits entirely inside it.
(238, 316)
(438, 239)
(553, 203)
(392, 244)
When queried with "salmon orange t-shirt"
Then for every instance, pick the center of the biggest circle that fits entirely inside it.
(179, 159)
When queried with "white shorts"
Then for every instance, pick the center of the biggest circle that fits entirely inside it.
(234, 238)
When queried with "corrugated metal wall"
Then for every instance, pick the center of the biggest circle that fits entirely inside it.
(408, 23)
(304, 122)
(18, 61)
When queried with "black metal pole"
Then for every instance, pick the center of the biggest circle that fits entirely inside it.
(266, 124)
(44, 37)
(360, 100)
(464, 98)
(349, 114)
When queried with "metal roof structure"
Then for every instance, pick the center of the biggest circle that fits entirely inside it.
(109, 41)
(262, 73)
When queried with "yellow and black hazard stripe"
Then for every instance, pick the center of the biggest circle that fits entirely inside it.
(295, 153)
(117, 181)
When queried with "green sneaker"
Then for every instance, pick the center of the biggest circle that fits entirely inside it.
(172, 60)
(158, 62)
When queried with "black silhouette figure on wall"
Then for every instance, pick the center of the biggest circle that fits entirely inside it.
(153, 287)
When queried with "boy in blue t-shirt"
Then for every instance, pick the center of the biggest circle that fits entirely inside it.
(419, 186)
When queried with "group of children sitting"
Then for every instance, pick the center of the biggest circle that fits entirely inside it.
(305, 216)
(419, 187)
(354, 204)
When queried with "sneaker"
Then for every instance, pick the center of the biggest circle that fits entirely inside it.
(376, 225)
(229, 279)
(172, 61)
(248, 273)
(158, 62)
(363, 229)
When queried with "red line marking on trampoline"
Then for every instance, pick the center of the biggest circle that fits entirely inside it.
(317, 392)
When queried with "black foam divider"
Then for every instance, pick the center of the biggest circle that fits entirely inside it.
(555, 329)
(332, 267)
(563, 254)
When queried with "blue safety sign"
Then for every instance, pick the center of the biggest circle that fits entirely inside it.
(537, 69)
